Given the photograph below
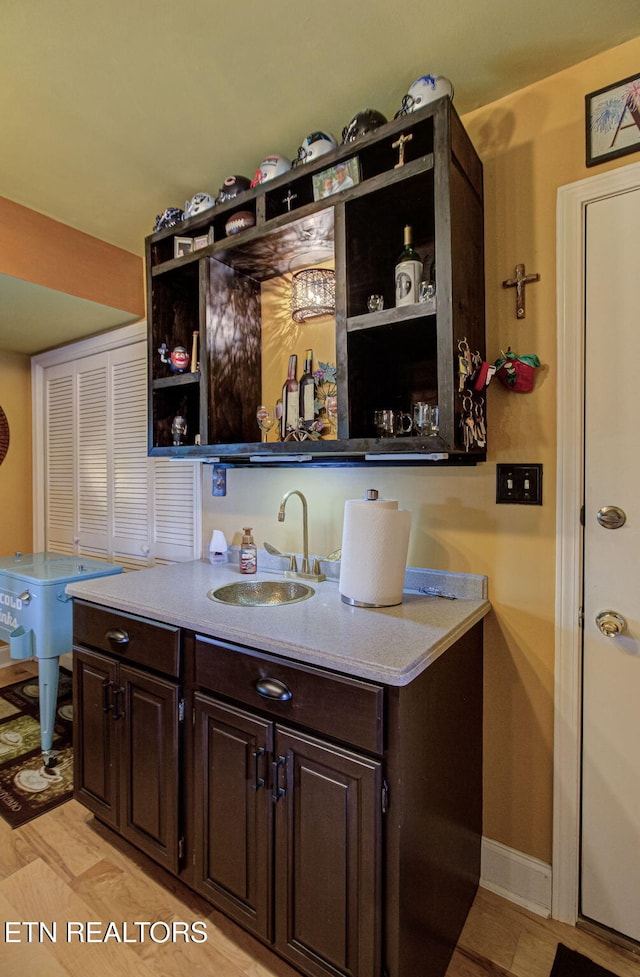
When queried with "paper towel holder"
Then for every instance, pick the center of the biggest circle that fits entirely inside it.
(371, 495)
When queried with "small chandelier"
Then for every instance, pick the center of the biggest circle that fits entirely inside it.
(313, 293)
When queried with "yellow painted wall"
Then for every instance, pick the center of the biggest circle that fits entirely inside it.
(15, 470)
(531, 143)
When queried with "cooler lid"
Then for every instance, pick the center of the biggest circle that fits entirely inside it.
(54, 568)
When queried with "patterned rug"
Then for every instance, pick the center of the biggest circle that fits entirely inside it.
(26, 788)
(570, 963)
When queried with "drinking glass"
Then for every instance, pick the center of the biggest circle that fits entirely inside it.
(265, 420)
(375, 303)
(421, 418)
(391, 423)
(425, 418)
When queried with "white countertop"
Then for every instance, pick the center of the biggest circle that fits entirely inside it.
(384, 644)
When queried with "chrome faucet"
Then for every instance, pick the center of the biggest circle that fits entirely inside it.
(304, 573)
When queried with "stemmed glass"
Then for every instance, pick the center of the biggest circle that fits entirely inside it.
(265, 420)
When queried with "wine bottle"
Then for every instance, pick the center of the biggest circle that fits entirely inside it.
(307, 391)
(290, 400)
(408, 271)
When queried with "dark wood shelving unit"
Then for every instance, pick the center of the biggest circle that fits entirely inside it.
(385, 359)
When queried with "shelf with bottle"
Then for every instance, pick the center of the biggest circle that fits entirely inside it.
(237, 292)
(375, 228)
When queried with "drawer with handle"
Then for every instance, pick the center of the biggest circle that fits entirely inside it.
(139, 641)
(338, 706)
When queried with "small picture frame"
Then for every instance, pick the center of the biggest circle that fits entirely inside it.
(341, 176)
(182, 246)
(612, 122)
(203, 240)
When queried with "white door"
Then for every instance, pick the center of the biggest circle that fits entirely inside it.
(610, 859)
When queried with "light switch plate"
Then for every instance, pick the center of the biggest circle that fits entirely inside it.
(519, 484)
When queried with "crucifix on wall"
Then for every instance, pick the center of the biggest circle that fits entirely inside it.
(519, 283)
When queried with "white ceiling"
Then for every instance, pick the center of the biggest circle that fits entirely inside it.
(113, 111)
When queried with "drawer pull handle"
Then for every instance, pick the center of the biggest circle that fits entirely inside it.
(117, 636)
(273, 688)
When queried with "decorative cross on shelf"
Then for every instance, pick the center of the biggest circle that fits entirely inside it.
(399, 144)
(519, 283)
(289, 198)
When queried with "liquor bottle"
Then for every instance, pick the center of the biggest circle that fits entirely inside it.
(307, 391)
(290, 400)
(408, 272)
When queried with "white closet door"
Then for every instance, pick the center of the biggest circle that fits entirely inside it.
(103, 496)
(177, 504)
(92, 449)
(130, 469)
(59, 437)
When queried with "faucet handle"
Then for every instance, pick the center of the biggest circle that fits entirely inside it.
(293, 563)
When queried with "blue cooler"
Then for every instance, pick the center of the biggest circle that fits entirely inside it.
(36, 619)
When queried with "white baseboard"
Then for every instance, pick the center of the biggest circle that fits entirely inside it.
(516, 877)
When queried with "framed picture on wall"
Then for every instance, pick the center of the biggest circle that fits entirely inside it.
(613, 121)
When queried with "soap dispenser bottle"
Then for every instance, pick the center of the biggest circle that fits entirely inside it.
(248, 553)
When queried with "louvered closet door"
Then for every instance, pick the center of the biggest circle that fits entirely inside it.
(59, 429)
(177, 502)
(104, 496)
(92, 452)
(131, 468)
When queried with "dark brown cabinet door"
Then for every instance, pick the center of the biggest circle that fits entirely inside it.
(147, 709)
(328, 856)
(95, 747)
(233, 812)
(126, 760)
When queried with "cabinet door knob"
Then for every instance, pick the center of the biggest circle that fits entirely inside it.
(273, 688)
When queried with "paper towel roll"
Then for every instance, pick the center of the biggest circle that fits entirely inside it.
(375, 542)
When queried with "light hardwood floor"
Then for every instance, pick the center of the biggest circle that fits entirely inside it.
(64, 866)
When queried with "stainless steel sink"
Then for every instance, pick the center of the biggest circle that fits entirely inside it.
(259, 593)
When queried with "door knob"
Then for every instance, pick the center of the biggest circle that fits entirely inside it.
(611, 623)
(611, 517)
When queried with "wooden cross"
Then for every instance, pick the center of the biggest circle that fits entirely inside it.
(399, 144)
(519, 283)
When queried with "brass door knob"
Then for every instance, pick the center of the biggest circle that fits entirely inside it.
(611, 623)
